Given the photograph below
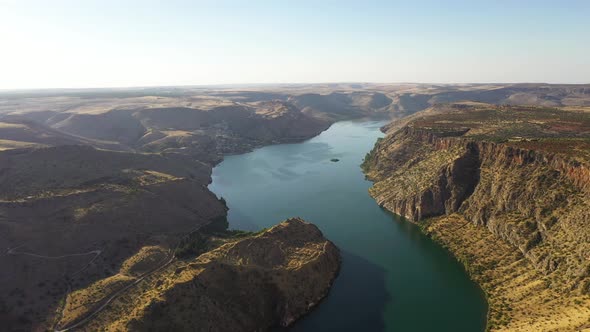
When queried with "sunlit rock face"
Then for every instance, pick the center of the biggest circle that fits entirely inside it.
(519, 173)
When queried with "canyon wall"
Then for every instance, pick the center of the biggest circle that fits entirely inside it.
(533, 204)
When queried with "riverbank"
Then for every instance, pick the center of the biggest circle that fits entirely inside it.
(392, 275)
(513, 211)
(519, 297)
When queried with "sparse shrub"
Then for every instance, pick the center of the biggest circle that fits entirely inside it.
(192, 245)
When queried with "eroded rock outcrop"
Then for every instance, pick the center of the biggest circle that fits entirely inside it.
(248, 284)
(535, 200)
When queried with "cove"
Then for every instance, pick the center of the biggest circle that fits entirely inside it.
(393, 278)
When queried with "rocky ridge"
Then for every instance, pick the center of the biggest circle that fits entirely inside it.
(248, 283)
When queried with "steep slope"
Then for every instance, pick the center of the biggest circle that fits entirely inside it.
(519, 173)
(248, 283)
(71, 215)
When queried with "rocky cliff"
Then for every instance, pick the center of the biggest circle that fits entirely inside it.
(466, 161)
(249, 283)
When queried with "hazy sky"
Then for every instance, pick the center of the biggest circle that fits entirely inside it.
(53, 43)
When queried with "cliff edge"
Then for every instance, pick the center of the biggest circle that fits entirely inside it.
(506, 189)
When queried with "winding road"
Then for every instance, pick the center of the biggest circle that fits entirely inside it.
(166, 261)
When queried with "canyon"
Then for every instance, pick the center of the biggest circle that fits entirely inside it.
(99, 187)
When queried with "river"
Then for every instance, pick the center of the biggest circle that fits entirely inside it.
(393, 278)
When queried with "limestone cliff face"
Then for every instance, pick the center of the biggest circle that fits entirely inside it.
(535, 201)
(421, 175)
(249, 284)
(507, 190)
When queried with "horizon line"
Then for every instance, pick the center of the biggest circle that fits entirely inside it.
(234, 85)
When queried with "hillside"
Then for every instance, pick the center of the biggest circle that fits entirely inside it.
(83, 225)
(411, 98)
(205, 134)
(98, 194)
(506, 189)
(248, 282)
(71, 215)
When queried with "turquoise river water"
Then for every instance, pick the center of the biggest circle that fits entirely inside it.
(393, 278)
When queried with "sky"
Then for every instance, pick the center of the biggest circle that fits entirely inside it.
(88, 43)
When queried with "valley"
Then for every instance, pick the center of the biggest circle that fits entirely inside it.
(99, 187)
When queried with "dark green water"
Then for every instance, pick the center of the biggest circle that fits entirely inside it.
(393, 278)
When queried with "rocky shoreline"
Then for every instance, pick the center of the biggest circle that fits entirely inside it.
(248, 283)
(515, 217)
